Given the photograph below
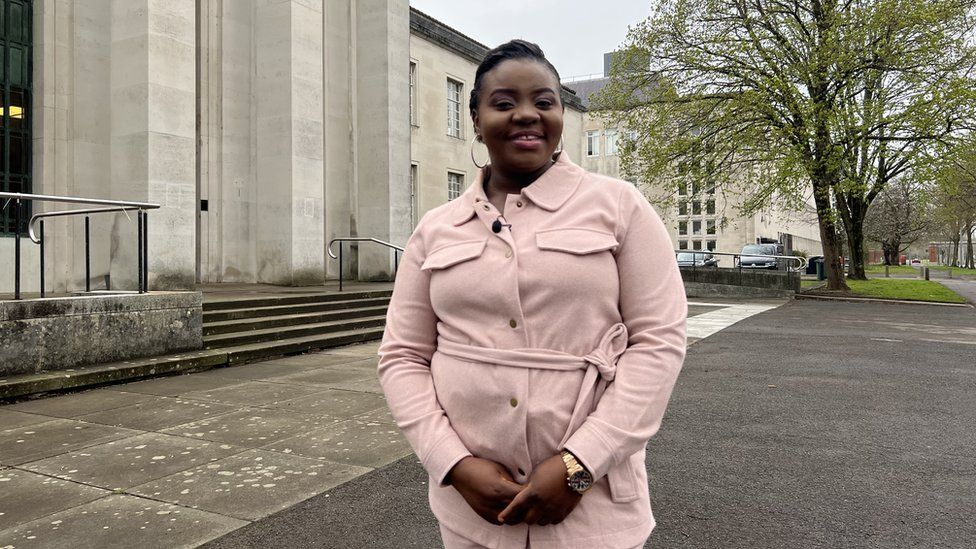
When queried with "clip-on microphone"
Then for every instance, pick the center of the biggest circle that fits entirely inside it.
(496, 225)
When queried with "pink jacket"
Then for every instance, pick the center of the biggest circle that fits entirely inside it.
(566, 330)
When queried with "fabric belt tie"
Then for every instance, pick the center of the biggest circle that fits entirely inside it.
(600, 365)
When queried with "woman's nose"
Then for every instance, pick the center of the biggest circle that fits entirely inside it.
(525, 113)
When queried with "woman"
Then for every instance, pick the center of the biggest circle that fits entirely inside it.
(535, 332)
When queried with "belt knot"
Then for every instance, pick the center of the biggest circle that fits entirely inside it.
(605, 355)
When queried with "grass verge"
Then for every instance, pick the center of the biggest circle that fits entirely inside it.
(896, 288)
(893, 269)
(955, 270)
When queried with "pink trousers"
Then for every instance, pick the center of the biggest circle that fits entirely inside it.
(453, 540)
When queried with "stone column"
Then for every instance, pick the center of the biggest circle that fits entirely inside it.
(289, 142)
(382, 105)
(153, 134)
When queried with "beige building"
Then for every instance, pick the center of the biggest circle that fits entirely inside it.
(695, 221)
(442, 68)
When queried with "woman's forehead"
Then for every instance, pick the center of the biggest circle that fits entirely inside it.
(520, 74)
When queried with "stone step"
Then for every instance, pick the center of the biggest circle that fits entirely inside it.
(269, 301)
(268, 349)
(290, 309)
(252, 324)
(304, 330)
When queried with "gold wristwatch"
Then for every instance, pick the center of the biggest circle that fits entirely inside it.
(577, 477)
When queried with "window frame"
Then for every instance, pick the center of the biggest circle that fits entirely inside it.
(412, 76)
(593, 138)
(451, 187)
(22, 179)
(611, 137)
(455, 126)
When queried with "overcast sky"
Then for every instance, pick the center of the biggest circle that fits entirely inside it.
(573, 33)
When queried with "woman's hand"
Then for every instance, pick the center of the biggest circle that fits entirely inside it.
(546, 499)
(487, 486)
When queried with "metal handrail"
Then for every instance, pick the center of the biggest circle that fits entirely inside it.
(397, 250)
(801, 261)
(113, 206)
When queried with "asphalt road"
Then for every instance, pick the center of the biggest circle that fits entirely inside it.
(818, 424)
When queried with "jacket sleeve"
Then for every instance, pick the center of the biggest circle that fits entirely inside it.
(654, 309)
(409, 341)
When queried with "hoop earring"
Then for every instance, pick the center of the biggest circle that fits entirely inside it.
(560, 149)
(473, 161)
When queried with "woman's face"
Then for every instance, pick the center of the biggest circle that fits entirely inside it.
(520, 115)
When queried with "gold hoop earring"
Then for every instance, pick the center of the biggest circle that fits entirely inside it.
(473, 161)
(560, 149)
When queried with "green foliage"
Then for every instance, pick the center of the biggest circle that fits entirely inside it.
(899, 288)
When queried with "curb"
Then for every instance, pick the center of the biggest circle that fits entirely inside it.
(878, 300)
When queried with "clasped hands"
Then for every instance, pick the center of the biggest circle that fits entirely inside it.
(491, 491)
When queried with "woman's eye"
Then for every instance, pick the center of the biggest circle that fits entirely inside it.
(544, 104)
(503, 105)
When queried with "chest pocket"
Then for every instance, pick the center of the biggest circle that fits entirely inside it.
(452, 254)
(576, 241)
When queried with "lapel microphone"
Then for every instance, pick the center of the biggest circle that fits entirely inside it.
(496, 225)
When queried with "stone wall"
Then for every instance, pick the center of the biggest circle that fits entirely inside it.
(715, 282)
(62, 333)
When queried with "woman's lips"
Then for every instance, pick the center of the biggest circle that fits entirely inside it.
(527, 142)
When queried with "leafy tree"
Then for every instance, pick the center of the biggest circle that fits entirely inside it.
(954, 200)
(775, 99)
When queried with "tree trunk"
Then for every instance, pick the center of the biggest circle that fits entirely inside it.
(891, 249)
(969, 246)
(855, 246)
(828, 236)
(955, 251)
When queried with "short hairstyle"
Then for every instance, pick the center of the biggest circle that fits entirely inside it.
(513, 49)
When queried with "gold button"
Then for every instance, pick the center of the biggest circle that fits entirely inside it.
(512, 323)
(508, 252)
(513, 402)
(519, 203)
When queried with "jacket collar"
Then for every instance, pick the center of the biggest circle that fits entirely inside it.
(550, 191)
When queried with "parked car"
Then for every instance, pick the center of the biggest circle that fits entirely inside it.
(750, 256)
(696, 259)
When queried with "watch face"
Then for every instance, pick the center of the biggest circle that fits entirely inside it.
(580, 481)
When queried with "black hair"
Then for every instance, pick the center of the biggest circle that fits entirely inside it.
(513, 49)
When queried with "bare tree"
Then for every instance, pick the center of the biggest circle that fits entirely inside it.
(899, 216)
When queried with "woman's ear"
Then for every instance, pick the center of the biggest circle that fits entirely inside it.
(477, 123)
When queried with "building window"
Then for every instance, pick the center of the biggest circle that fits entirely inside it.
(710, 206)
(413, 195)
(696, 245)
(682, 189)
(593, 143)
(696, 227)
(455, 91)
(682, 228)
(710, 226)
(682, 244)
(682, 207)
(696, 207)
(455, 182)
(710, 245)
(413, 93)
(15, 108)
(611, 142)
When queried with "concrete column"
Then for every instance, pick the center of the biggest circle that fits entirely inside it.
(289, 154)
(383, 131)
(153, 132)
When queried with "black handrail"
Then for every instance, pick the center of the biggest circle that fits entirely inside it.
(397, 250)
(113, 206)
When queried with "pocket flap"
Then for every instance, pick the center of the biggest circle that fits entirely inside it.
(575, 240)
(452, 254)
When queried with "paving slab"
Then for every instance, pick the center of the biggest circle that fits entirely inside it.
(256, 371)
(9, 419)
(379, 415)
(54, 437)
(352, 442)
(369, 385)
(333, 403)
(250, 427)
(175, 385)
(27, 496)
(253, 393)
(250, 485)
(121, 522)
(328, 375)
(317, 359)
(159, 413)
(132, 461)
(368, 349)
(73, 405)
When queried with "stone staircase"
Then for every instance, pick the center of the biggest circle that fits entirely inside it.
(254, 328)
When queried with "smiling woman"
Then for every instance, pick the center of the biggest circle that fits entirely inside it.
(529, 361)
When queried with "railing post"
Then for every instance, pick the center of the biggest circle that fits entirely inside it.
(145, 251)
(87, 254)
(340, 265)
(139, 250)
(17, 248)
(396, 262)
(42, 257)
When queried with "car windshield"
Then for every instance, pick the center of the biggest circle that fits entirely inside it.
(755, 249)
(688, 257)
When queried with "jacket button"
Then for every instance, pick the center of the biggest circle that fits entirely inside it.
(508, 252)
(512, 323)
(519, 204)
(513, 402)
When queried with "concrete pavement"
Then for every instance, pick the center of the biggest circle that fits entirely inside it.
(814, 425)
(174, 462)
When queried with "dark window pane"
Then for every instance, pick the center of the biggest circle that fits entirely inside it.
(682, 208)
(18, 155)
(696, 207)
(17, 68)
(710, 207)
(17, 16)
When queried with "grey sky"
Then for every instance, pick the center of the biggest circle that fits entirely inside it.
(574, 33)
